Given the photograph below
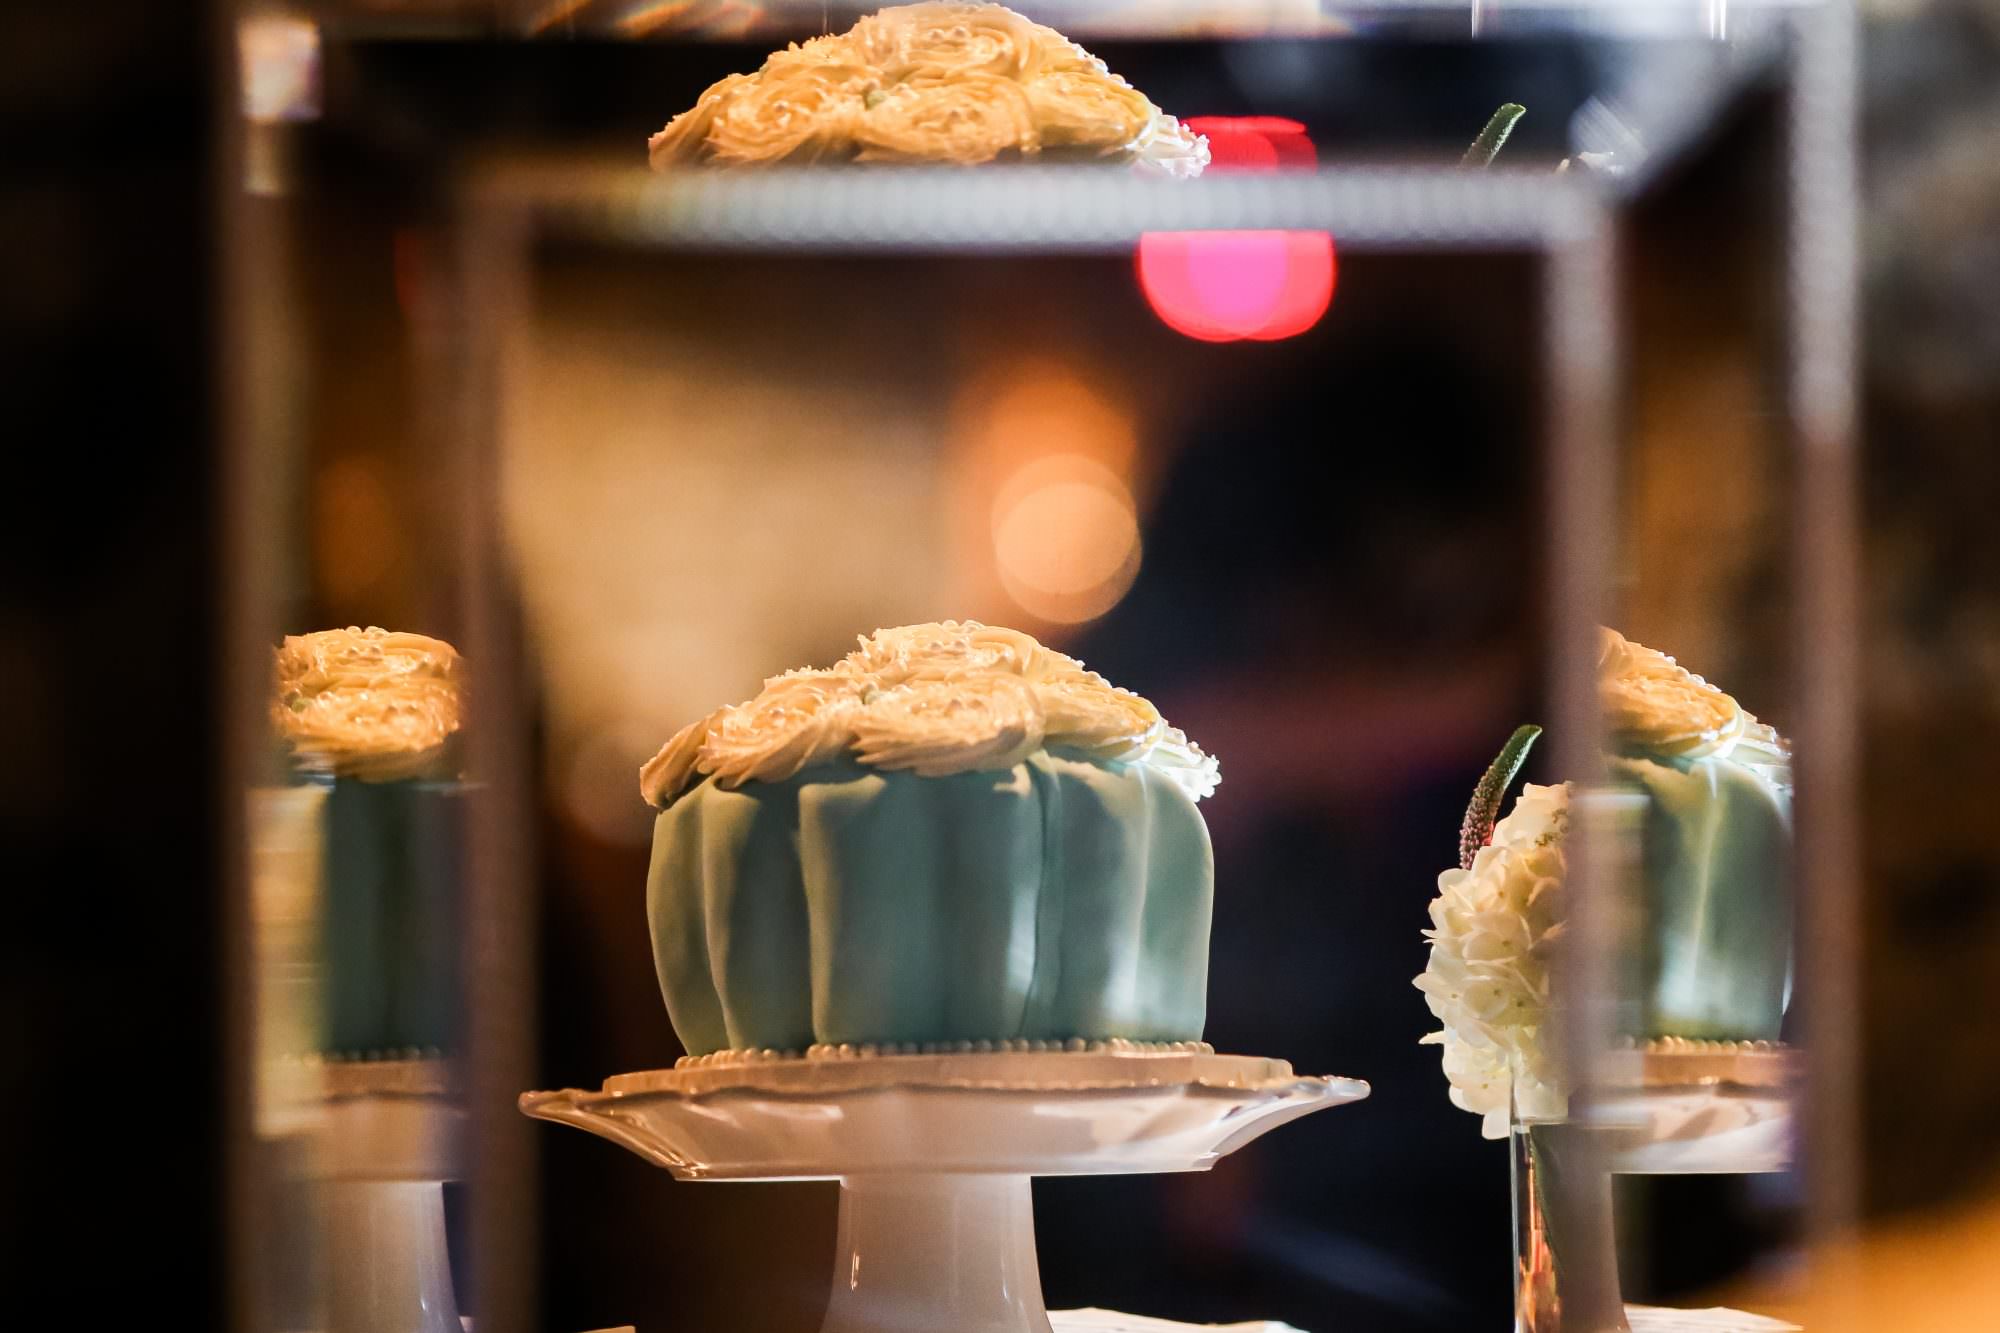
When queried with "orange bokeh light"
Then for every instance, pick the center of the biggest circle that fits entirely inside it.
(1047, 514)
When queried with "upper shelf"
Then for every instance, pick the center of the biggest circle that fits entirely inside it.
(743, 20)
(1039, 209)
(380, 92)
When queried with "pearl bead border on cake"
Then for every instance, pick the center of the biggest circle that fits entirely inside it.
(1699, 1046)
(821, 1051)
(412, 1072)
(1659, 1063)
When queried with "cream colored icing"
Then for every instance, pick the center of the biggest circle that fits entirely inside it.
(371, 704)
(1168, 148)
(1098, 718)
(951, 650)
(1654, 705)
(798, 720)
(966, 119)
(807, 115)
(934, 699)
(933, 82)
(943, 41)
(1087, 108)
(937, 727)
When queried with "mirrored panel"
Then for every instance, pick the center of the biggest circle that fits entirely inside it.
(1315, 553)
(1256, 488)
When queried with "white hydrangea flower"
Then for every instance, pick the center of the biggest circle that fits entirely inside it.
(1488, 980)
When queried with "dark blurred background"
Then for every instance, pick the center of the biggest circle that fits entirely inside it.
(111, 958)
(1417, 635)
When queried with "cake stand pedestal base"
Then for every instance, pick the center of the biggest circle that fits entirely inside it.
(934, 1154)
(388, 1135)
(389, 1270)
(919, 1253)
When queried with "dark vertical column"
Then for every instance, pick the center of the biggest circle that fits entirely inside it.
(111, 1059)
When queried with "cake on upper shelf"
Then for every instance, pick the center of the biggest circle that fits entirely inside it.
(371, 718)
(955, 834)
(936, 82)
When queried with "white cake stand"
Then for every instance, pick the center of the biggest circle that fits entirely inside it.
(1679, 1107)
(934, 1153)
(386, 1135)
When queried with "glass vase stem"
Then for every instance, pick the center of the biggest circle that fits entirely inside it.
(1565, 1255)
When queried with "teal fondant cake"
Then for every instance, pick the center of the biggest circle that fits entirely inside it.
(955, 835)
(1712, 951)
(372, 717)
(389, 914)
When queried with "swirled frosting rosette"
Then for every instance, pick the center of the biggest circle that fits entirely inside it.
(964, 120)
(667, 773)
(798, 720)
(932, 699)
(1098, 719)
(949, 83)
(938, 727)
(952, 649)
(950, 40)
(832, 49)
(804, 114)
(686, 135)
(1083, 108)
(1653, 703)
(369, 704)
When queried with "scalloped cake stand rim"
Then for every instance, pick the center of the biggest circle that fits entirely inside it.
(1028, 1072)
(1042, 1113)
(934, 1153)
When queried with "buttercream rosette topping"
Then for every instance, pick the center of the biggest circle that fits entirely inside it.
(936, 82)
(934, 700)
(1653, 705)
(371, 704)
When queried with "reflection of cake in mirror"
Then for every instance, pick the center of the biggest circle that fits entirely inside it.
(371, 718)
(930, 83)
(1714, 910)
(953, 838)
(1707, 934)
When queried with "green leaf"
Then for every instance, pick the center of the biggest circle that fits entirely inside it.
(1484, 811)
(1494, 137)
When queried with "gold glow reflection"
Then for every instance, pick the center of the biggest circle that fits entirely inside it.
(694, 504)
(1066, 538)
(1046, 467)
(357, 538)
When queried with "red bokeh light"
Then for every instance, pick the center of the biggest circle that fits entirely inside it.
(1228, 286)
(1255, 143)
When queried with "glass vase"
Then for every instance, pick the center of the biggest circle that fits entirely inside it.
(1565, 1249)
